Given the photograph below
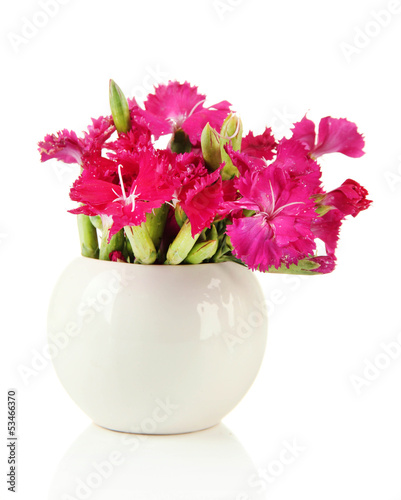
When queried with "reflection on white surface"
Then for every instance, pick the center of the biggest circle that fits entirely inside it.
(209, 320)
(205, 465)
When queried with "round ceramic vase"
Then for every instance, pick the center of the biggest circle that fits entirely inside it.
(156, 349)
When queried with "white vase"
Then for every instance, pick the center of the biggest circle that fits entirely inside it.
(156, 349)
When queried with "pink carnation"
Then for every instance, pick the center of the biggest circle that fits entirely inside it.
(280, 230)
(198, 192)
(68, 148)
(179, 106)
(128, 201)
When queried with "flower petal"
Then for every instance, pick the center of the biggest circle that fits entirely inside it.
(65, 147)
(293, 158)
(338, 135)
(304, 133)
(327, 229)
(326, 264)
(195, 123)
(260, 147)
(178, 106)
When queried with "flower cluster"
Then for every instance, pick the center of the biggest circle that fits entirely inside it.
(211, 195)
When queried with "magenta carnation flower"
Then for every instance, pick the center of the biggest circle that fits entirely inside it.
(279, 232)
(128, 201)
(198, 192)
(179, 106)
(68, 148)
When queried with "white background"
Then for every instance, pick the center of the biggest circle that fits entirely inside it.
(273, 61)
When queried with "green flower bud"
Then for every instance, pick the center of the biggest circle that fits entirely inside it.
(96, 221)
(182, 245)
(119, 108)
(156, 222)
(180, 215)
(201, 251)
(210, 143)
(141, 244)
(231, 132)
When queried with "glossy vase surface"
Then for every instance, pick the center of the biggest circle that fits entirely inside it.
(156, 349)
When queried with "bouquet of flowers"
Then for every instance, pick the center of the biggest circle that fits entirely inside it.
(210, 195)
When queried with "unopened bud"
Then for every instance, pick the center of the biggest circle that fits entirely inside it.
(96, 221)
(231, 132)
(180, 215)
(201, 251)
(210, 143)
(119, 108)
(182, 245)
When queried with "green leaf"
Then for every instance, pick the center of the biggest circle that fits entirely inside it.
(304, 267)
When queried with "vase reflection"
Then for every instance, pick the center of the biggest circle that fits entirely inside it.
(105, 465)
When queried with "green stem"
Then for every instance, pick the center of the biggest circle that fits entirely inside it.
(116, 243)
(182, 245)
(180, 142)
(141, 243)
(88, 237)
(128, 252)
(156, 222)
